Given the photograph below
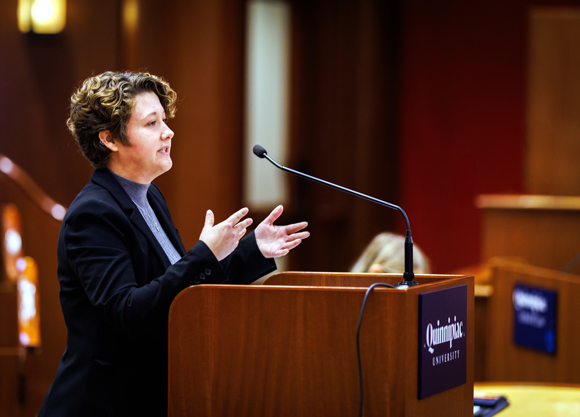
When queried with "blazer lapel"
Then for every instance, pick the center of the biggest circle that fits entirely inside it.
(162, 212)
(104, 178)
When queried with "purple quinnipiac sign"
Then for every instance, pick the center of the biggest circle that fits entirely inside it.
(535, 317)
(442, 340)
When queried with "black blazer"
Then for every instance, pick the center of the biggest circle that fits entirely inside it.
(116, 287)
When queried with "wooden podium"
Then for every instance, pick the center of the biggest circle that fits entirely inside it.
(507, 361)
(288, 348)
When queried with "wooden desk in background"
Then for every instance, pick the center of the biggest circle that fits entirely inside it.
(531, 400)
(544, 230)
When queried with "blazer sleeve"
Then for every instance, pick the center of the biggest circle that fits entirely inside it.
(99, 249)
(246, 263)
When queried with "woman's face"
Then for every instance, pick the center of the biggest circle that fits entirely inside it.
(148, 155)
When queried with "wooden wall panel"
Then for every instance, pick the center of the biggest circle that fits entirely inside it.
(553, 137)
(9, 363)
(38, 368)
(343, 126)
(37, 76)
(199, 48)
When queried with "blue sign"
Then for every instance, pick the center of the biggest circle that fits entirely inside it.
(442, 340)
(535, 318)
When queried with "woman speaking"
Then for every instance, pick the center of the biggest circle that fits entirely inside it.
(121, 261)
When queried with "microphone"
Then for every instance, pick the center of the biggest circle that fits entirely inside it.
(260, 152)
(408, 275)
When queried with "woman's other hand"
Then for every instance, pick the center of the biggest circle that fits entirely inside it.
(275, 241)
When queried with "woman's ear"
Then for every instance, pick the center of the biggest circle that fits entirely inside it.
(107, 140)
(376, 269)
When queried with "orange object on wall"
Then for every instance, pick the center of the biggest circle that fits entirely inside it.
(12, 240)
(28, 311)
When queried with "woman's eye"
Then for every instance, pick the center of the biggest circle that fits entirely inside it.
(152, 123)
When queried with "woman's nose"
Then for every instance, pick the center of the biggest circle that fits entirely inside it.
(167, 134)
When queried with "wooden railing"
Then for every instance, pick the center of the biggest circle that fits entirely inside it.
(39, 197)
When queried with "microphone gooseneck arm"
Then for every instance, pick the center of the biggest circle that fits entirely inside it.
(408, 275)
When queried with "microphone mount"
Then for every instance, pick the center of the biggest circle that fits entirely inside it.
(408, 275)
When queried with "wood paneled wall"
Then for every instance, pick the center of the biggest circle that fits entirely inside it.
(553, 136)
(343, 115)
(343, 125)
(27, 377)
(37, 76)
(199, 48)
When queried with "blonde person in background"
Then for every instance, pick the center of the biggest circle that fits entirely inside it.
(386, 253)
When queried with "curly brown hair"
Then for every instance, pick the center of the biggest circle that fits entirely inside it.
(106, 102)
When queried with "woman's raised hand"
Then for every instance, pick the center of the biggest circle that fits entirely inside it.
(224, 237)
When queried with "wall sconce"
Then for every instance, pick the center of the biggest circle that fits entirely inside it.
(41, 16)
(11, 247)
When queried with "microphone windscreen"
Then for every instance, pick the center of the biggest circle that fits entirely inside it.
(259, 151)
